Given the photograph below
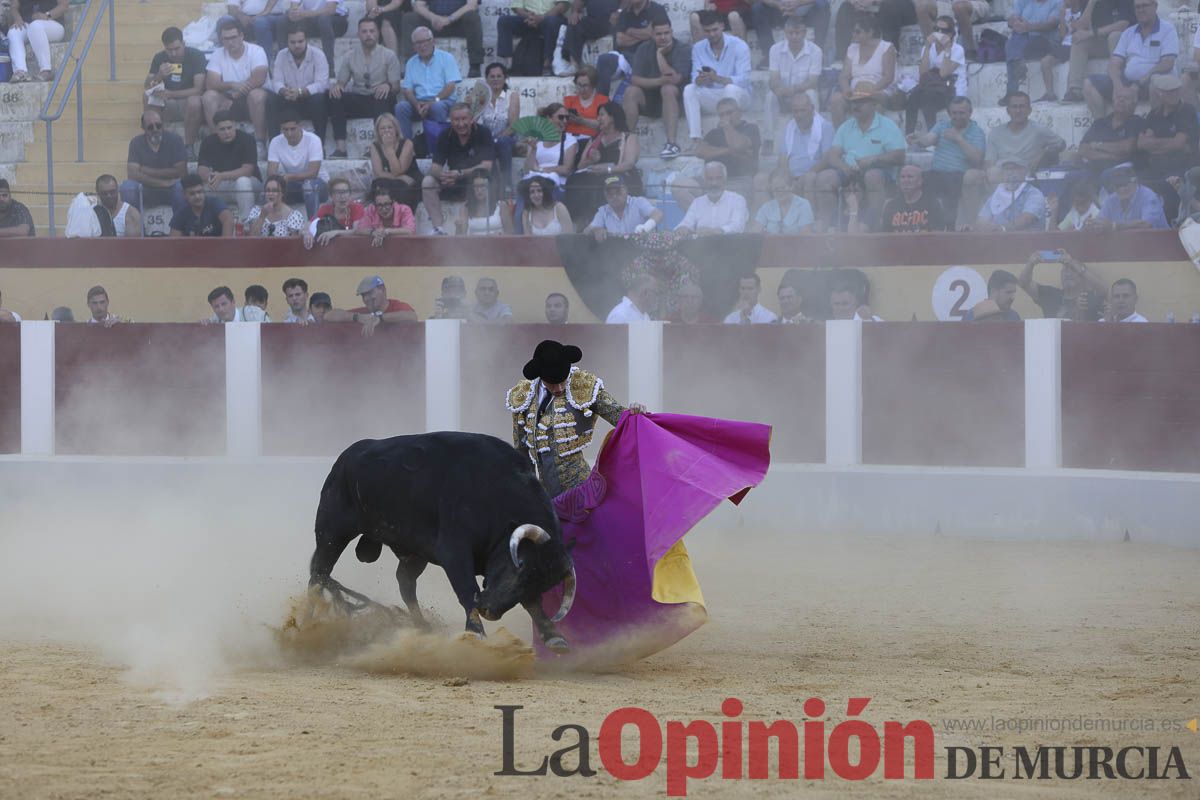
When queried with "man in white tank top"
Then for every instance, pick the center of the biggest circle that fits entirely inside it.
(126, 219)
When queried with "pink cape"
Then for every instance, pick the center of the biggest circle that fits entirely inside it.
(656, 477)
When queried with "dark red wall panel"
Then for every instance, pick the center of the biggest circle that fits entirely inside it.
(10, 388)
(140, 389)
(1131, 396)
(493, 355)
(944, 393)
(326, 386)
(760, 373)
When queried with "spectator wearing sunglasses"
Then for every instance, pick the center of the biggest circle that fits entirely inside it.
(157, 160)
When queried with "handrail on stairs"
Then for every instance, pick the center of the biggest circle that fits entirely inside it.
(75, 84)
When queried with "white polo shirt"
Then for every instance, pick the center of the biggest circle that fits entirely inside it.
(1142, 53)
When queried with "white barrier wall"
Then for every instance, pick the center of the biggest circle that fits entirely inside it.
(443, 374)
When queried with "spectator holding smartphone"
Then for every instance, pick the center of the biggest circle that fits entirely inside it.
(1080, 295)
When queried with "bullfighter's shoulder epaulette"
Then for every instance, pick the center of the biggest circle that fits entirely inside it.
(583, 388)
(519, 397)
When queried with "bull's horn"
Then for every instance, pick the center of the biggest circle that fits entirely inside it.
(568, 597)
(531, 532)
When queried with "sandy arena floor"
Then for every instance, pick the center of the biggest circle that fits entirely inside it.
(932, 629)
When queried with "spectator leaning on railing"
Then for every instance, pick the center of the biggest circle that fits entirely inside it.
(295, 291)
(717, 211)
(335, 218)
(318, 306)
(749, 311)
(622, 214)
(639, 304)
(97, 302)
(558, 308)
(385, 217)
(1129, 205)
(377, 307)
(1122, 302)
(1002, 291)
(5, 314)
(224, 307)
(1015, 205)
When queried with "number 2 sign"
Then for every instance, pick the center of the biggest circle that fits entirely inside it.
(956, 291)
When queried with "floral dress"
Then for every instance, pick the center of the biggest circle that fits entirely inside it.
(292, 225)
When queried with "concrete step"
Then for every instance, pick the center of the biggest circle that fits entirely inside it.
(15, 137)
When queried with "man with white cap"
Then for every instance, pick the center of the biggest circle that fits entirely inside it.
(622, 215)
(376, 307)
(1016, 205)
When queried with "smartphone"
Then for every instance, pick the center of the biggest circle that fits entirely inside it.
(706, 69)
(1049, 255)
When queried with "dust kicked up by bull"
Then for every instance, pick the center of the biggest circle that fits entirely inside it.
(594, 545)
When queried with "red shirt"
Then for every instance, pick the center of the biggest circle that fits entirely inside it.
(393, 305)
(356, 213)
(572, 101)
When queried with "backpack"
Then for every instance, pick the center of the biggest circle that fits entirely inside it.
(527, 58)
(991, 47)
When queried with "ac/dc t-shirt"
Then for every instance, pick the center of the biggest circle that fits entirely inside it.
(902, 217)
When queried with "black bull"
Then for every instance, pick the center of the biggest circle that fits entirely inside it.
(467, 502)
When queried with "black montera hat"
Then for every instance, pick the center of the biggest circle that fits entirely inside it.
(552, 361)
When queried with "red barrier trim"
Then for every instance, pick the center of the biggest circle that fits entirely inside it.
(535, 251)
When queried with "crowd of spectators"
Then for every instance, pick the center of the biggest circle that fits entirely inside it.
(840, 295)
(837, 166)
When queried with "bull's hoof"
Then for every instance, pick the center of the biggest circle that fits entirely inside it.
(557, 644)
(368, 550)
(477, 635)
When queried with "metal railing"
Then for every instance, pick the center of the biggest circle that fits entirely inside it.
(74, 84)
